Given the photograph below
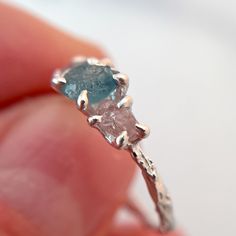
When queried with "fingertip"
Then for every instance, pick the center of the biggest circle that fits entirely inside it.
(60, 173)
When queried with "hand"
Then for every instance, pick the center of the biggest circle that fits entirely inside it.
(58, 176)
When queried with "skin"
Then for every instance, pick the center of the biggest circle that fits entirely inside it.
(53, 182)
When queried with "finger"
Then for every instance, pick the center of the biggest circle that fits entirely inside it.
(58, 173)
(13, 224)
(30, 50)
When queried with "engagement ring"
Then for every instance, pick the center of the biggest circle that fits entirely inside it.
(99, 91)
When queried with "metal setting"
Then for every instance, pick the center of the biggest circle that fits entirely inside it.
(114, 71)
(92, 120)
(126, 101)
(122, 79)
(94, 61)
(157, 190)
(57, 81)
(78, 59)
(143, 130)
(122, 140)
(106, 62)
(82, 101)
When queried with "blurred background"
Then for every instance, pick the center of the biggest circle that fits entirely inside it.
(181, 58)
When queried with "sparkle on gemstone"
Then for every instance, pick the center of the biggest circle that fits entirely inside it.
(97, 80)
(115, 120)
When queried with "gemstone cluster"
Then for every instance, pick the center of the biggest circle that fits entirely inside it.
(100, 93)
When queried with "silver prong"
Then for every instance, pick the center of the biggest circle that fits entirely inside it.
(92, 120)
(57, 81)
(122, 140)
(126, 101)
(82, 101)
(106, 62)
(78, 59)
(122, 79)
(114, 71)
(143, 130)
(93, 61)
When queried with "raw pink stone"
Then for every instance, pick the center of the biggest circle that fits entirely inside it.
(116, 120)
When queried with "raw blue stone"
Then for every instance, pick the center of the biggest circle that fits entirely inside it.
(97, 80)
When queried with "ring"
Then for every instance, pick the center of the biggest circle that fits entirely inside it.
(99, 91)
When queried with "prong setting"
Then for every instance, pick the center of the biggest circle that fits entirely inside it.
(92, 120)
(78, 59)
(57, 81)
(114, 71)
(126, 101)
(122, 140)
(122, 79)
(82, 101)
(93, 61)
(143, 130)
(106, 62)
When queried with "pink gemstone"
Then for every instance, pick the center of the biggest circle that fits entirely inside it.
(116, 120)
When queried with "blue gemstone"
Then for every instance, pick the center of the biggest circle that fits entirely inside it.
(97, 80)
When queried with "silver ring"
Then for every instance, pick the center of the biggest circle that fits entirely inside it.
(99, 91)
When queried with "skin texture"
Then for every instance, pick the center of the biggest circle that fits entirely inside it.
(58, 176)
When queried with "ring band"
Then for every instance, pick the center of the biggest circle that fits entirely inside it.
(99, 91)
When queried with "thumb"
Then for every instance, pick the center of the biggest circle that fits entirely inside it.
(58, 176)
